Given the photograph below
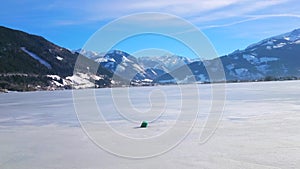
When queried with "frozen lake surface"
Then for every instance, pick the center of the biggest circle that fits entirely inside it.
(259, 129)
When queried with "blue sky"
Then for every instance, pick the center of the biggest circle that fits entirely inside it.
(229, 24)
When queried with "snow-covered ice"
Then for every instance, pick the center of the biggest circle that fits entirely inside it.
(258, 130)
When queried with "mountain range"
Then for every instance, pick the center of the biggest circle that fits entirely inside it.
(270, 59)
(30, 62)
(273, 58)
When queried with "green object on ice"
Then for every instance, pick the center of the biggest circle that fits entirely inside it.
(144, 124)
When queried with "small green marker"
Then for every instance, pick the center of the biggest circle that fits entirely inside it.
(144, 124)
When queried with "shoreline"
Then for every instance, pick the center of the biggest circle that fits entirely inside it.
(3, 91)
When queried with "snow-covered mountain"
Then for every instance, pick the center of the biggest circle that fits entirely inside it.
(274, 57)
(167, 62)
(278, 56)
(131, 68)
(138, 69)
(87, 53)
(122, 64)
(278, 41)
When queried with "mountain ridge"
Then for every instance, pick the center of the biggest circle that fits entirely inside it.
(30, 62)
(272, 58)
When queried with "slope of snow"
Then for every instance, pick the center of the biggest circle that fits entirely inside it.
(230, 66)
(291, 37)
(262, 68)
(120, 68)
(265, 42)
(269, 47)
(55, 77)
(58, 81)
(81, 80)
(125, 59)
(59, 58)
(109, 65)
(254, 60)
(280, 45)
(241, 71)
(268, 59)
(297, 42)
(101, 59)
(36, 57)
(202, 78)
(88, 54)
(251, 58)
(167, 62)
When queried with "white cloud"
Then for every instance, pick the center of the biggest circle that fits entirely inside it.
(237, 10)
(251, 18)
(179, 7)
(206, 13)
